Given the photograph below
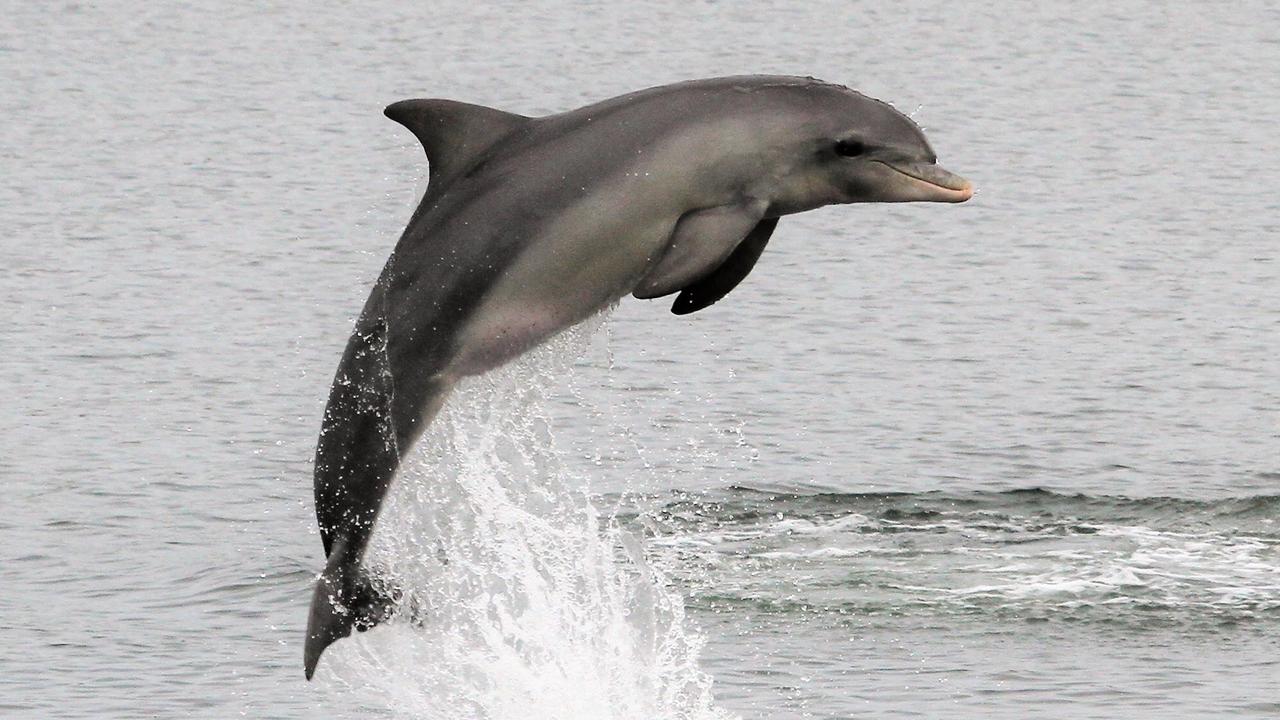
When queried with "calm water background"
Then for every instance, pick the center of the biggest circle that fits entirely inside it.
(1011, 459)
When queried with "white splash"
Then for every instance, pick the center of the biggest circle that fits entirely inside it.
(520, 602)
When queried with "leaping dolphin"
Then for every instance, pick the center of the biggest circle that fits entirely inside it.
(530, 225)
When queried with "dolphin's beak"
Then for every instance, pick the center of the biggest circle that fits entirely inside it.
(926, 182)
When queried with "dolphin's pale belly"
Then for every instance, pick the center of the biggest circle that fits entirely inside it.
(563, 278)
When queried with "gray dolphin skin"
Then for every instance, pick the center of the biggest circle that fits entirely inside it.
(530, 225)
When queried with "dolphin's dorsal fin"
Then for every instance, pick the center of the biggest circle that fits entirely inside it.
(454, 134)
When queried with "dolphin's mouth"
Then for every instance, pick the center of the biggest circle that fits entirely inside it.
(939, 185)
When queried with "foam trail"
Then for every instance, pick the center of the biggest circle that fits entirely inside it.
(517, 600)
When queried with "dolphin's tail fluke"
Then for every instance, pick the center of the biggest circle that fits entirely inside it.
(344, 598)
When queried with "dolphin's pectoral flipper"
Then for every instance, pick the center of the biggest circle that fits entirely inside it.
(712, 287)
(701, 242)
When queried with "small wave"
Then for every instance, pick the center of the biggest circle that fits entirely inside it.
(1034, 554)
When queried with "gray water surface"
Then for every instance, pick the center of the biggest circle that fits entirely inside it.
(1010, 459)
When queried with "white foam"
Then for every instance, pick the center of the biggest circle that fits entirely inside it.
(519, 602)
(1020, 560)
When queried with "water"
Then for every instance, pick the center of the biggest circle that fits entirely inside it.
(1011, 459)
(513, 600)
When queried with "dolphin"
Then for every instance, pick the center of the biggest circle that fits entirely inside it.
(530, 225)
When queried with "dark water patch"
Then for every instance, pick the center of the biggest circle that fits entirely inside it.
(1031, 506)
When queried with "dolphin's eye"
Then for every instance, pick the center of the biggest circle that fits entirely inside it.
(850, 148)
